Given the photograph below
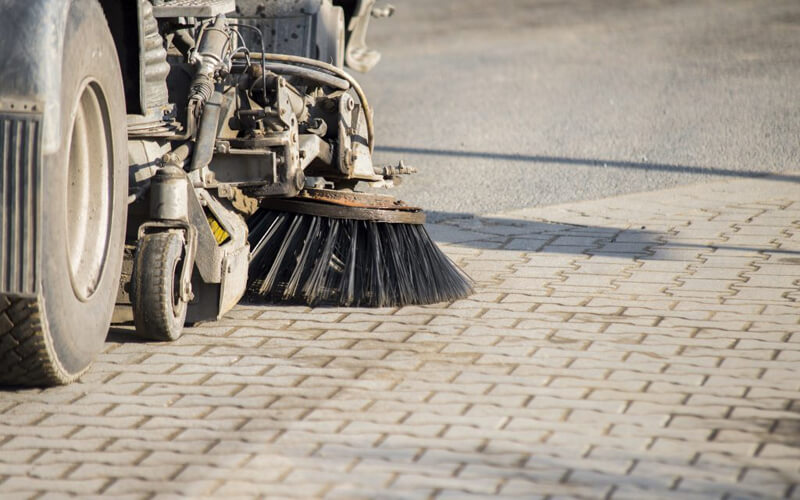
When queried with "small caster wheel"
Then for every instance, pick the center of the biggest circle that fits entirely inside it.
(159, 311)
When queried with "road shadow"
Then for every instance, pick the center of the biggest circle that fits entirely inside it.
(125, 331)
(592, 162)
(530, 236)
(501, 233)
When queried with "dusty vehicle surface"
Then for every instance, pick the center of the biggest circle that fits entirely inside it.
(139, 136)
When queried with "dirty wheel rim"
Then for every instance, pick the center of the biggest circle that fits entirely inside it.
(89, 190)
(177, 272)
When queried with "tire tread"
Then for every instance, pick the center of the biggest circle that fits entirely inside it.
(25, 359)
(152, 309)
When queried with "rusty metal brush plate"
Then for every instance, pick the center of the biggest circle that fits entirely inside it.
(348, 205)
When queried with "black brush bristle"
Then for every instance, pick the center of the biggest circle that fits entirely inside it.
(317, 260)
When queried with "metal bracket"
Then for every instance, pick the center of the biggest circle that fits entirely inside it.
(190, 245)
(194, 8)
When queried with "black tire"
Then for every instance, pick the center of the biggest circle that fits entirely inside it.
(158, 311)
(53, 337)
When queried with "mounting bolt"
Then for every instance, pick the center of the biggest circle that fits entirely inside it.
(186, 293)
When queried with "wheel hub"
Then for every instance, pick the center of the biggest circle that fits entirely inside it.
(89, 183)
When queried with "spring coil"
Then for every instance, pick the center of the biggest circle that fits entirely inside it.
(202, 89)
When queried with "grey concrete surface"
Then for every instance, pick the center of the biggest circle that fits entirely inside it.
(643, 346)
(510, 103)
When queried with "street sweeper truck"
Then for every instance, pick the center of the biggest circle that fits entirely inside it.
(174, 155)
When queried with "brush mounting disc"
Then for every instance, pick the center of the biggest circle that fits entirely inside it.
(348, 205)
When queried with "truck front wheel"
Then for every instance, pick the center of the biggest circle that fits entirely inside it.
(52, 336)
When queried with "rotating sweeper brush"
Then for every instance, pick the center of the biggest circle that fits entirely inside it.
(329, 247)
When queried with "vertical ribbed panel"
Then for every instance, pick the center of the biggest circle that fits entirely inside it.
(154, 61)
(19, 201)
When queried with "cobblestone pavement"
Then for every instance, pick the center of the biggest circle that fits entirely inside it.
(634, 347)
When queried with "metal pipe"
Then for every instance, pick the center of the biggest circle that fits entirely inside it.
(190, 124)
(177, 157)
(207, 135)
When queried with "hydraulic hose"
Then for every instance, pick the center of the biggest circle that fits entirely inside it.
(305, 61)
(309, 74)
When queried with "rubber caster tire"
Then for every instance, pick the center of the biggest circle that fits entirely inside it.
(158, 310)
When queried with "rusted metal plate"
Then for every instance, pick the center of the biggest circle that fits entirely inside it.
(355, 199)
(336, 211)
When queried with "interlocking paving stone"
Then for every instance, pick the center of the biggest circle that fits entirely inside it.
(596, 359)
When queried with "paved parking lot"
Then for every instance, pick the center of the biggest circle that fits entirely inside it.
(633, 347)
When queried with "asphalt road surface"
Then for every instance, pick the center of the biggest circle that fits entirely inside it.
(505, 104)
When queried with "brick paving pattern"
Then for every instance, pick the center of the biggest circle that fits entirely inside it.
(635, 347)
